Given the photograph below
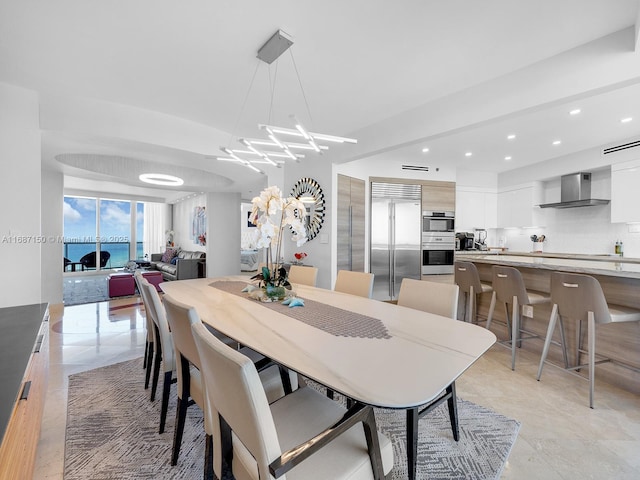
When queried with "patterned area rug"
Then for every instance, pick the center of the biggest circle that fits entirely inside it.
(85, 289)
(112, 433)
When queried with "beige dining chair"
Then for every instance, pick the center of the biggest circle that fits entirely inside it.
(354, 283)
(188, 365)
(466, 276)
(302, 436)
(439, 299)
(509, 288)
(303, 275)
(149, 347)
(580, 298)
(164, 352)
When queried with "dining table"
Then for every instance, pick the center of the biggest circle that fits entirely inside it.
(373, 352)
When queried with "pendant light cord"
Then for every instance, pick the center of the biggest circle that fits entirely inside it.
(304, 95)
(244, 104)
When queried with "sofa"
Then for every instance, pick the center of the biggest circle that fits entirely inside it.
(179, 264)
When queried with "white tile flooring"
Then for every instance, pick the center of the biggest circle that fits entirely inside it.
(560, 438)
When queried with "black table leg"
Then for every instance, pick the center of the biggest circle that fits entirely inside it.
(412, 441)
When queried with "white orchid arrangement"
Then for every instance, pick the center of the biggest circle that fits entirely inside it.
(271, 213)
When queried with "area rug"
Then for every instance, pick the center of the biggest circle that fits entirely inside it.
(112, 433)
(85, 289)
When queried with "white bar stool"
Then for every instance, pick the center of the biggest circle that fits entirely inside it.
(466, 276)
(509, 288)
(580, 297)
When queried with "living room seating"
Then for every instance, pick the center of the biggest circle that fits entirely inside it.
(176, 264)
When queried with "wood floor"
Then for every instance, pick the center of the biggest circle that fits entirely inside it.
(560, 437)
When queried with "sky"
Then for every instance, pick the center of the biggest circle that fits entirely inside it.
(115, 220)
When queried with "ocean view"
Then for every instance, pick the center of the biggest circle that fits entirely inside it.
(119, 252)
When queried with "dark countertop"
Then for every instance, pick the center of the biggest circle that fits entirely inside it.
(19, 327)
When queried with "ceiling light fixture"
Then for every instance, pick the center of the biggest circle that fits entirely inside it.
(626, 120)
(279, 138)
(468, 154)
(425, 149)
(161, 179)
(511, 136)
(575, 111)
(557, 142)
(508, 157)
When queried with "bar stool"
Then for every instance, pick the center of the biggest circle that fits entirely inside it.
(509, 288)
(580, 297)
(467, 278)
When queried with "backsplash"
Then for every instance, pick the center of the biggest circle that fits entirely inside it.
(586, 230)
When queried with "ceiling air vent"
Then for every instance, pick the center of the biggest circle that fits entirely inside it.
(419, 168)
(619, 148)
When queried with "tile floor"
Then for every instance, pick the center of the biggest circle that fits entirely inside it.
(560, 438)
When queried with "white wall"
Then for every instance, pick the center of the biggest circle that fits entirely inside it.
(20, 233)
(52, 227)
(182, 222)
(223, 234)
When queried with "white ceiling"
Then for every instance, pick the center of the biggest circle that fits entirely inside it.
(455, 76)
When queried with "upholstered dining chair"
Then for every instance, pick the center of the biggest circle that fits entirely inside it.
(164, 351)
(580, 297)
(466, 276)
(188, 366)
(147, 362)
(354, 283)
(440, 299)
(509, 289)
(303, 275)
(301, 436)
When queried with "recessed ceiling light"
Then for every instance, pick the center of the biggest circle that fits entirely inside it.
(557, 142)
(575, 111)
(161, 179)
(511, 136)
(508, 157)
(425, 149)
(468, 154)
(626, 120)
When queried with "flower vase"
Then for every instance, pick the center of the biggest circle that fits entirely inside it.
(275, 293)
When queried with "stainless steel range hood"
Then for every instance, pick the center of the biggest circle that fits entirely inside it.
(575, 191)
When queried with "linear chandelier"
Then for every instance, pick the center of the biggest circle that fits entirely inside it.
(281, 143)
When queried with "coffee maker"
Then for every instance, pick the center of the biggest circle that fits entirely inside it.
(480, 242)
(466, 240)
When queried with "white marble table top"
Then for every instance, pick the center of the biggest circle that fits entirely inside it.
(424, 354)
(590, 267)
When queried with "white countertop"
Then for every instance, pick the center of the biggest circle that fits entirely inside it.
(561, 262)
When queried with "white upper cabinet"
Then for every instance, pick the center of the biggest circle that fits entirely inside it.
(475, 208)
(518, 206)
(625, 178)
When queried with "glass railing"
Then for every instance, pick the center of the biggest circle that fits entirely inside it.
(118, 252)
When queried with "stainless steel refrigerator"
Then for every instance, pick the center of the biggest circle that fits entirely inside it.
(396, 236)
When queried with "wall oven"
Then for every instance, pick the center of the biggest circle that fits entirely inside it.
(437, 221)
(437, 252)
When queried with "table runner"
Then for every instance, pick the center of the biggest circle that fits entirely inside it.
(333, 320)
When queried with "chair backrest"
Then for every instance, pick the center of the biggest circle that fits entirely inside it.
(355, 283)
(137, 276)
(180, 317)
(89, 260)
(508, 283)
(234, 390)
(303, 275)
(466, 276)
(432, 297)
(160, 320)
(577, 294)
(104, 258)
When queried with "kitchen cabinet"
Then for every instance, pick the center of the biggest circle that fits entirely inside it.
(518, 206)
(439, 196)
(351, 223)
(24, 356)
(475, 209)
(625, 178)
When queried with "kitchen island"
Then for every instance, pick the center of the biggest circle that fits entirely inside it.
(620, 280)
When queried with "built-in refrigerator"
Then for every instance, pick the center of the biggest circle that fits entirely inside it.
(396, 235)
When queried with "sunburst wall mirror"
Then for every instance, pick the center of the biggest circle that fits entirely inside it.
(308, 191)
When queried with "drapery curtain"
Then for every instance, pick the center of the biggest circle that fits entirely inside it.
(155, 225)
